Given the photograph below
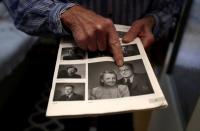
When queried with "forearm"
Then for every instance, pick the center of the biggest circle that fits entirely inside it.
(38, 17)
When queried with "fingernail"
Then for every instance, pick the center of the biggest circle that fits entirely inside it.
(120, 63)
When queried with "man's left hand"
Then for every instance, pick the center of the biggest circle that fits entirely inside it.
(141, 28)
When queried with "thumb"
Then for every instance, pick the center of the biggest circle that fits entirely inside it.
(147, 39)
(131, 34)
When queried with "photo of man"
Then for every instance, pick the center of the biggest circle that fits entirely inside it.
(138, 83)
(72, 53)
(69, 92)
(130, 50)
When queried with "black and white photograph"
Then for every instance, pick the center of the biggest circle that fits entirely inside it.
(130, 50)
(127, 50)
(72, 53)
(69, 92)
(108, 81)
(121, 33)
(91, 83)
(97, 54)
(76, 71)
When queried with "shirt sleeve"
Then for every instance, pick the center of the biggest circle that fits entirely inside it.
(38, 17)
(165, 13)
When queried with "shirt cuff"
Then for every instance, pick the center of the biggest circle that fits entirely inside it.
(55, 24)
(157, 26)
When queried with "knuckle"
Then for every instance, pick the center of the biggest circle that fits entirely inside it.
(108, 22)
(115, 43)
(91, 32)
(99, 27)
(136, 23)
(103, 25)
(81, 39)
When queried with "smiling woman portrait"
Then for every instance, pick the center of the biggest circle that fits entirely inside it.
(108, 87)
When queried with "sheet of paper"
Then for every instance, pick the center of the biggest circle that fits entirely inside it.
(89, 83)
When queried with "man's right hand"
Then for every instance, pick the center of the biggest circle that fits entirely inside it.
(92, 32)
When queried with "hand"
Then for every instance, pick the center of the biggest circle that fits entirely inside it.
(92, 32)
(141, 28)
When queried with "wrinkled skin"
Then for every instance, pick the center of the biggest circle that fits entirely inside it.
(93, 32)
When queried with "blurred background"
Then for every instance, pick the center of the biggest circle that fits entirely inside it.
(27, 65)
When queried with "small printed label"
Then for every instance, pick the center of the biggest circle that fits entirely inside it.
(158, 99)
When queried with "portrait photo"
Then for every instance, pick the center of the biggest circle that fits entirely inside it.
(134, 75)
(69, 92)
(130, 50)
(121, 33)
(75, 71)
(97, 54)
(102, 81)
(72, 53)
(139, 83)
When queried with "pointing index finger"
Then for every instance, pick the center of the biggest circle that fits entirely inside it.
(114, 44)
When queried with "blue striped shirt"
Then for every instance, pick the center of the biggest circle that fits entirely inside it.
(43, 16)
